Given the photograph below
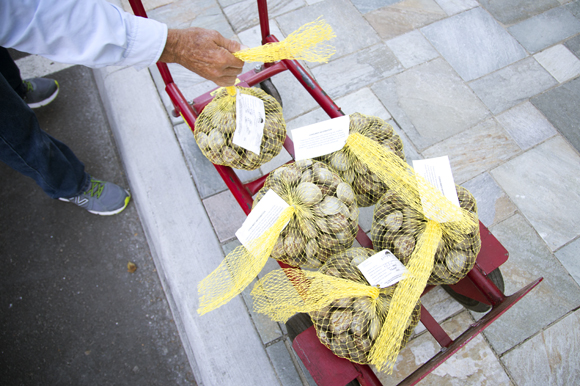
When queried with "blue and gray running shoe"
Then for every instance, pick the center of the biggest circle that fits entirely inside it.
(102, 198)
(40, 91)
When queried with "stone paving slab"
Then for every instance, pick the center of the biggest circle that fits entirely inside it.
(553, 298)
(452, 7)
(526, 125)
(544, 185)
(514, 11)
(549, 357)
(343, 17)
(560, 106)
(546, 29)
(476, 150)
(493, 204)
(244, 14)
(559, 62)
(512, 85)
(474, 43)
(412, 48)
(568, 256)
(403, 17)
(425, 114)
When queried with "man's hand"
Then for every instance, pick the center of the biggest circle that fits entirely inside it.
(205, 52)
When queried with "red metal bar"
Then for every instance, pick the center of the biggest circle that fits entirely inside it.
(485, 285)
(435, 328)
(264, 19)
(468, 335)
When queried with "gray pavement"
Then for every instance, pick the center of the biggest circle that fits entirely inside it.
(72, 313)
(493, 85)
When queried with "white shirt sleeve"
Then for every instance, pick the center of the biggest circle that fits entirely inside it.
(93, 33)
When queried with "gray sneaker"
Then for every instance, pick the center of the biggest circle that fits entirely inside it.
(40, 91)
(102, 198)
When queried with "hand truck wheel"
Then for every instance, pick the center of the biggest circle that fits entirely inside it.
(298, 324)
(495, 276)
(269, 88)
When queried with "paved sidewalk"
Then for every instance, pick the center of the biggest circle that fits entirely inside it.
(493, 85)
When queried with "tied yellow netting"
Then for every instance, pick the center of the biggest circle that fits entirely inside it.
(239, 268)
(348, 314)
(215, 127)
(443, 220)
(306, 43)
(322, 220)
(367, 186)
(325, 220)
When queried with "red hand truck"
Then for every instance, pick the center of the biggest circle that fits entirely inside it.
(481, 290)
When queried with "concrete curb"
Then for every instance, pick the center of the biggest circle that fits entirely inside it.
(223, 346)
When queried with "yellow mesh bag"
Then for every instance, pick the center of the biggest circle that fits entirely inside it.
(397, 227)
(444, 220)
(306, 43)
(325, 220)
(367, 187)
(215, 126)
(348, 314)
(322, 219)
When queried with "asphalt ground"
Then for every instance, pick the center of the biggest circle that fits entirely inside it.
(71, 313)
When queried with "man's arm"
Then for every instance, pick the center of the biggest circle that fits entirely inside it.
(96, 33)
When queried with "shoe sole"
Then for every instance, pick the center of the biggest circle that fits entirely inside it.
(46, 101)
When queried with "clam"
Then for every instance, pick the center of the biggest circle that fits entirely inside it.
(306, 176)
(342, 303)
(293, 244)
(202, 140)
(308, 228)
(312, 249)
(337, 222)
(374, 328)
(322, 175)
(339, 161)
(216, 140)
(304, 163)
(308, 193)
(456, 261)
(403, 246)
(330, 206)
(344, 193)
(364, 305)
(340, 321)
(392, 222)
(328, 242)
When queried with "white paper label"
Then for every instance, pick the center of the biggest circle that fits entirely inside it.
(437, 171)
(382, 269)
(250, 121)
(262, 217)
(320, 138)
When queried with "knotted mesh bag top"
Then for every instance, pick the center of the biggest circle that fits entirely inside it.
(368, 188)
(322, 219)
(325, 219)
(215, 126)
(348, 314)
(397, 227)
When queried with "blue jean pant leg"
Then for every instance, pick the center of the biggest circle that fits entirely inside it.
(34, 153)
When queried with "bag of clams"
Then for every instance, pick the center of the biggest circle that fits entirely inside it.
(348, 314)
(215, 127)
(442, 222)
(321, 220)
(397, 227)
(216, 124)
(368, 188)
(325, 219)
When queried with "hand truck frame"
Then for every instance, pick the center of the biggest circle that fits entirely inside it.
(478, 290)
